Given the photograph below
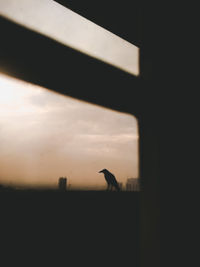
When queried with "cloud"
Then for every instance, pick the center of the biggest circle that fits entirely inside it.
(44, 135)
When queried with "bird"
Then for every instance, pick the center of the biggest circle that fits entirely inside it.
(110, 179)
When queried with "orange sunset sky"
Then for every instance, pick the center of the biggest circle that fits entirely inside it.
(45, 135)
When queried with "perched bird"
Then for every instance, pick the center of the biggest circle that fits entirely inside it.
(110, 179)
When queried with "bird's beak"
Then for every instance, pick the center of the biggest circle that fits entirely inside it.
(100, 171)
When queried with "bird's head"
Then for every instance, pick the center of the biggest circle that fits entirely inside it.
(103, 171)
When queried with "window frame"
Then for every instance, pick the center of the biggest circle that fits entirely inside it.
(108, 81)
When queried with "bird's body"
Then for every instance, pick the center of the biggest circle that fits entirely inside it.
(110, 179)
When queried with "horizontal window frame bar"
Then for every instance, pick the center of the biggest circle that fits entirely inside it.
(62, 69)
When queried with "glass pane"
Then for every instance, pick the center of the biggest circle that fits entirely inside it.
(46, 137)
(67, 27)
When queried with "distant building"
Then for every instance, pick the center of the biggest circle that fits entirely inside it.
(62, 183)
(132, 184)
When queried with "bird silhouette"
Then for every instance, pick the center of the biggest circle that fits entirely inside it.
(110, 179)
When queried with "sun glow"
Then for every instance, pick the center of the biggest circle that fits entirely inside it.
(14, 95)
(45, 135)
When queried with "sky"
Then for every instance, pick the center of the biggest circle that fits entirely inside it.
(45, 135)
(59, 23)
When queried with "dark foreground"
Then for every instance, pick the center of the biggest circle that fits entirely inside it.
(71, 228)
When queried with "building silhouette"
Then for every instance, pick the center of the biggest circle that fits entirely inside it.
(62, 183)
(132, 184)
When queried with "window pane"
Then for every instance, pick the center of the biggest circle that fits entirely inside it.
(67, 27)
(45, 136)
